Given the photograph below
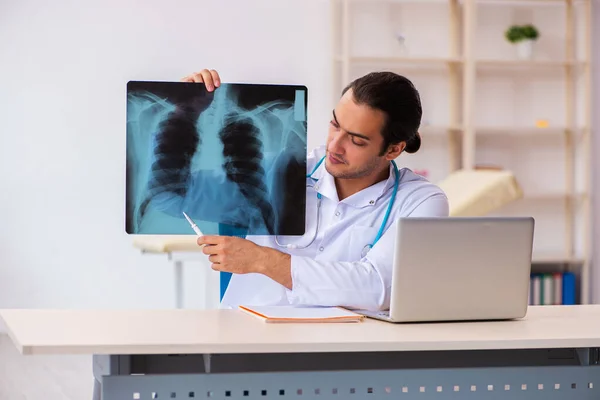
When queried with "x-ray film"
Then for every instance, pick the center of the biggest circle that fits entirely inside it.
(234, 159)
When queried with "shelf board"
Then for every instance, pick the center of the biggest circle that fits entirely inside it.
(554, 258)
(525, 131)
(519, 130)
(459, 60)
(483, 2)
(400, 60)
(438, 129)
(411, 2)
(528, 63)
(525, 3)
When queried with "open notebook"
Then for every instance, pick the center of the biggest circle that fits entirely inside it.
(302, 314)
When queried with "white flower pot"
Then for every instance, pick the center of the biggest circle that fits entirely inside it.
(525, 49)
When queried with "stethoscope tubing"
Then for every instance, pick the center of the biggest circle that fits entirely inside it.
(365, 249)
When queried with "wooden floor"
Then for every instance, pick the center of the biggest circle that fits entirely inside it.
(43, 377)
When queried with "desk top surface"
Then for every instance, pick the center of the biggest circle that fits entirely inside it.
(232, 331)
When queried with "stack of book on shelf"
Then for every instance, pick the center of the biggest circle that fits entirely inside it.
(552, 288)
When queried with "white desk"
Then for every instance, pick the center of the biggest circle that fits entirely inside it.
(165, 352)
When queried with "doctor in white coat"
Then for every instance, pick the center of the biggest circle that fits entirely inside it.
(355, 194)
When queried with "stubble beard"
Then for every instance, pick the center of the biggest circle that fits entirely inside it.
(368, 169)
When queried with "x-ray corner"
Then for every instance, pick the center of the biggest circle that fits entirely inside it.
(234, 159)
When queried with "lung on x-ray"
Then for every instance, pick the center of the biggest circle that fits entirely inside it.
(234, 159)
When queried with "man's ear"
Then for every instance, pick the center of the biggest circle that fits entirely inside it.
(394, 150)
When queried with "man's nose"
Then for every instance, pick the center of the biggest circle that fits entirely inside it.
(336, 144)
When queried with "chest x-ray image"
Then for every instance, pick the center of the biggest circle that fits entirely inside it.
(234, 159)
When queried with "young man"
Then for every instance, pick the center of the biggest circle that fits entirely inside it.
(337, 262)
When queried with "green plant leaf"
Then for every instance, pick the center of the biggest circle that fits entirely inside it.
(514, 34)
(530, 32)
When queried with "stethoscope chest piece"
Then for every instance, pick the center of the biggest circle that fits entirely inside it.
(365, 250)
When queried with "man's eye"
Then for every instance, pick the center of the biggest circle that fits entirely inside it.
(359, 142)
(334, 124)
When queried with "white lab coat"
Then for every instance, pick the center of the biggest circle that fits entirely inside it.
(331, 272)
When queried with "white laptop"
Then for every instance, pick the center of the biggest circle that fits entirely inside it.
(460, 269)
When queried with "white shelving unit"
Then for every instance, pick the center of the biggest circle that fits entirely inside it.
(481, 103)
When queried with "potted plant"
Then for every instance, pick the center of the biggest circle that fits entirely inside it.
(522, 36)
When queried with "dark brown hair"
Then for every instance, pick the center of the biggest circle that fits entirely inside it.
(398, 99)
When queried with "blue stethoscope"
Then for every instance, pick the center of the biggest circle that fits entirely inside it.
(365, 249)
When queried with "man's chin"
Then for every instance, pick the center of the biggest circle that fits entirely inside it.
(338, 170)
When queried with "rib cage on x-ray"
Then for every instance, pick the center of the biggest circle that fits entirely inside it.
(175, 145)
(235, 157)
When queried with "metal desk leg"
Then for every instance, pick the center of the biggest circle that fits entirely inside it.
(178, 283)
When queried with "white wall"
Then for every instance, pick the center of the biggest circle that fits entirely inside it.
(63, 70)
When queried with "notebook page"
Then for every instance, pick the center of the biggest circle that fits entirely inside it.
(302, 313)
